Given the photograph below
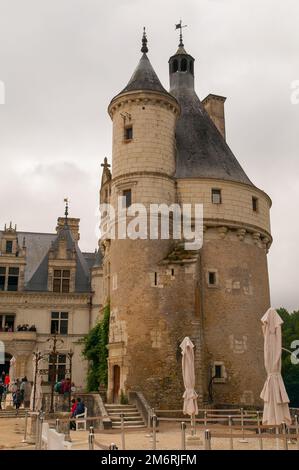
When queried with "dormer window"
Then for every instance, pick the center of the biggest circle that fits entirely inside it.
(9, 245)
(61, 281)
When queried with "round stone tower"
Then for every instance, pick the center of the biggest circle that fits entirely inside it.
(142, 347)
(234, 281)
(169, 147)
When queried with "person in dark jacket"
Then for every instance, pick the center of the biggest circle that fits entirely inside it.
(80, 408)
(73, 409)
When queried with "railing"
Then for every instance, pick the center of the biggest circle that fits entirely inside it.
(232, 427)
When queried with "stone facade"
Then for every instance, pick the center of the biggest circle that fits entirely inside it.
(159, 292)
(29, 298)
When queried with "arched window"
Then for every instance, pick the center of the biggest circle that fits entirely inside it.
(184, 65)
(175, 66)
(191, 67)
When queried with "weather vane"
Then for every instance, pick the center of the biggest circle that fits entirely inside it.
(180, 26)
(66, 213)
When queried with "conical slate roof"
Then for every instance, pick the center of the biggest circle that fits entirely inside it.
(144, 78)
(201, 150)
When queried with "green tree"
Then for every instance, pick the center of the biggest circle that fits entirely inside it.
(290, 372)
(96, 352)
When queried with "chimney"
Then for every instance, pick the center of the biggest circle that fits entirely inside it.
(73, 225)
(214, 106)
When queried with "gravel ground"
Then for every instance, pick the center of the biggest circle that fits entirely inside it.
(168, 438)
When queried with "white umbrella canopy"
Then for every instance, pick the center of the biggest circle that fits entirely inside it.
(36, 391)
(12, 370)
(190, 396)
(276, 408)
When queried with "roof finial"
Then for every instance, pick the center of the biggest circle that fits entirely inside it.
(144, 48)
(66, 212)
(180, 27)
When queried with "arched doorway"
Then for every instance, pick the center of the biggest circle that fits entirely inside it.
(5, 367)
(116, 383)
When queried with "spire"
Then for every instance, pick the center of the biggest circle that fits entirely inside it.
(180, 27)
(66, 212)
(144, 48)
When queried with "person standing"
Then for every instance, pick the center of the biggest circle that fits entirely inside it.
(2, 390)
(7, 382)
(73, 410)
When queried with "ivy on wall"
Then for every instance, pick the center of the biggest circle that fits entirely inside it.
(96, 352)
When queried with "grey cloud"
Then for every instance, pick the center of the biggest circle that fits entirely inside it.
(63, 60)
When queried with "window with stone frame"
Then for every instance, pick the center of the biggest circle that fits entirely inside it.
(219, 372)
(57, 367)
(7, 322)
(9, 246)
(255, 204)
(128, 133)
(216, 196)
(9, 278)
(212, 278)
(127, 194)
(59, 323)
(61, 280)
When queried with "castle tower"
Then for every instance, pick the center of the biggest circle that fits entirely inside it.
(149, 315)
(167, 149)
(234, 275)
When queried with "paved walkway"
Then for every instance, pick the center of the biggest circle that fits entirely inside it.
(168, 438)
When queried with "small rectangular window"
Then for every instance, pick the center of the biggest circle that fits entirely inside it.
(212, 278)
(129, 133)
(255, 202)
(9, 246)
(127, 193)
(156, 279)
(218, 371)
(216, 196)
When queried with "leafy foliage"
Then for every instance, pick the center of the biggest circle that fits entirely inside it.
(96, 352)
(290, 372)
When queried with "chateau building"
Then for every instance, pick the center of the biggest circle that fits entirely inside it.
(170, 147)
(47, 286)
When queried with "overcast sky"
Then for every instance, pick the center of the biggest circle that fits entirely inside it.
(63, 60)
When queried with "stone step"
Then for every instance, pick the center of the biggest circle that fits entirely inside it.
(126, 418)
(12, 414)
(128, 424)
(120, 407)
(128, 413)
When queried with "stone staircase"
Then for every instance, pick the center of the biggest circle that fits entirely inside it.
(132, 417)
(12, 413)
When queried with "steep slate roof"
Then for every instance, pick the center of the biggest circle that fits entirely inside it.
(38, 246)
(201, 150)
(144, 78)
(39, 280)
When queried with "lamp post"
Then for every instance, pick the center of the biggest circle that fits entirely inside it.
(37, 357)
(70, 358)
(53, 356)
